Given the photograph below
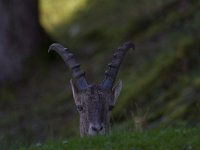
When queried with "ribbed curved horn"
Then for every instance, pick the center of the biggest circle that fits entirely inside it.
(71, 62)
(111, 73)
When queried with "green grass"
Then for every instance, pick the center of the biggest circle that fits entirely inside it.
(155, 139)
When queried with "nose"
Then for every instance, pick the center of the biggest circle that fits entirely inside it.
(97, 128)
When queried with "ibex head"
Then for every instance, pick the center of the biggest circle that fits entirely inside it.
(94, 102)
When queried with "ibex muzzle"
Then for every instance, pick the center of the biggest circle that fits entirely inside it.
(94, 102)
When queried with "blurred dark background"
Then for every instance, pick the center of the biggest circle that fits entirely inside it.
(161, 78)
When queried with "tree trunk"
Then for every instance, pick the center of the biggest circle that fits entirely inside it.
(20, 35)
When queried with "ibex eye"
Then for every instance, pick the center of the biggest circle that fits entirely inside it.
(111, 108)
(79, 108)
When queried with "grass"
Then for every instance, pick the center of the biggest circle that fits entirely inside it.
(154, 139)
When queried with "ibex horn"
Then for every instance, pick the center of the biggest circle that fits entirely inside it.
(111, 72)
(70, 61)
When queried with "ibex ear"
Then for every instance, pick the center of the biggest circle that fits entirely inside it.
(75, 92)
(116, 90)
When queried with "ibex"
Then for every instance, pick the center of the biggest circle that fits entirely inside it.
(94, 102)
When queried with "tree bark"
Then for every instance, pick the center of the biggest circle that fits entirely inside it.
(20, 35)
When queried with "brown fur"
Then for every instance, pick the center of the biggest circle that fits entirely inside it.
(94, 106)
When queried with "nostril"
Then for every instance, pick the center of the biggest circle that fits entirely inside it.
(97, 128)
(94, 129)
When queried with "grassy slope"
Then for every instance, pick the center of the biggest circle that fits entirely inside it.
(165, 139)
(161, 78)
